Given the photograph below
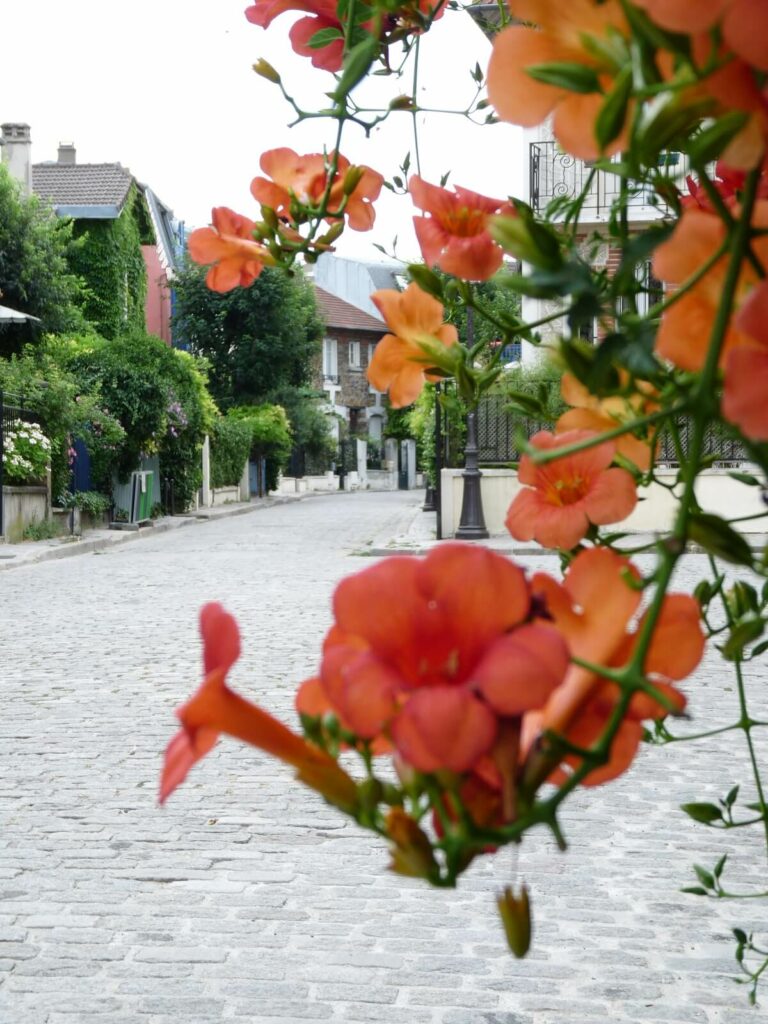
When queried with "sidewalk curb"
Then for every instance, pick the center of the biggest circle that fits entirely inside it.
(70, 549)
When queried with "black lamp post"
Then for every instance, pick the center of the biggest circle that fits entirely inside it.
(472, 523)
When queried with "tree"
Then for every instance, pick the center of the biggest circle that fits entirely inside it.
(257, 340)
(35, 276)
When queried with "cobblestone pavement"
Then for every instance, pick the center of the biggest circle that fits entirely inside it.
(247, 899)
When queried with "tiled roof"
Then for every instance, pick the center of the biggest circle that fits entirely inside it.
(81, 184)
(338, 313)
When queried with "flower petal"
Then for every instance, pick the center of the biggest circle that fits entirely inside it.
(522, 668)
(443, 727)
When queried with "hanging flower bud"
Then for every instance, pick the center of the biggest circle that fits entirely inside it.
(515, 914)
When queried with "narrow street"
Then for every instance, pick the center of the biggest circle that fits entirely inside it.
(246, 898)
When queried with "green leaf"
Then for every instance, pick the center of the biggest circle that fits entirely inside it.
(356, 66)
(706, 878)
(760, 649)
(718, 538)
(613, 112)
(730, 799)
(745, 478)
(427, 280)
(695, 890)
(710, 142)
(703, 812)
(526, 403)
(744, 632)
(740, 936)
(568, 75)
(324, 37)
(718, 869)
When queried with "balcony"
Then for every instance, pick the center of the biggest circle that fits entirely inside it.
(556, 175)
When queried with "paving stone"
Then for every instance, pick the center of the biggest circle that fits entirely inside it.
(248, 899)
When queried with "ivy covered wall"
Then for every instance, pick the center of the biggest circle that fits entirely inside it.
(110, 261)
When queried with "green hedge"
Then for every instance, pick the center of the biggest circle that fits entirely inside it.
(230, 448)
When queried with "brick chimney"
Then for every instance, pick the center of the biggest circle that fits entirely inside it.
(17, 153)
(67, 153)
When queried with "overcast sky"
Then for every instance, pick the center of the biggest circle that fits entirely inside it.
(165, 87)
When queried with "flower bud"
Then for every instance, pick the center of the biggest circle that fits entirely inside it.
(402, 103)
(515, 912)
(352, 179)
(412, 853)
(265, 70)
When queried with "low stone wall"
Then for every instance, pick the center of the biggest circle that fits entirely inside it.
(224, 495)
(23, 506)
(382, 479)
(715, 490)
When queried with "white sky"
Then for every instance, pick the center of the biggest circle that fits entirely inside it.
(165, 87)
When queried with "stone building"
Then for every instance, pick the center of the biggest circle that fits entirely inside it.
(350, 339)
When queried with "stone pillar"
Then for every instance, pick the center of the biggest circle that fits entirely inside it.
(245, 483)
(362, 462)
(207, 473)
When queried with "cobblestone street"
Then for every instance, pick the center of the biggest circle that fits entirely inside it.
(247, 898)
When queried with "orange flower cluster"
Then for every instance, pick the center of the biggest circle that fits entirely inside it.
(683, 336)
(743, 23)
(322, 16)
(302, 181)
(573, 32)
(593, 609)
(238, 248)
(431, 654)
(456, 662)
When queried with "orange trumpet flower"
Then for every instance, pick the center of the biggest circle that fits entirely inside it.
(593, 608)
(602, 414)
(216, 709)
(237, 259)
(419, 340)
(455, 236)
(562, 498)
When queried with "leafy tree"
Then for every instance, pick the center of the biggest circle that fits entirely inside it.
(256, 339)
(35, 276)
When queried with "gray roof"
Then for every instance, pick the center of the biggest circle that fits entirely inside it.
(83, 190)
(166, 230)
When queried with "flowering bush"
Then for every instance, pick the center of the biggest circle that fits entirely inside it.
(495, 695)
(26, 453)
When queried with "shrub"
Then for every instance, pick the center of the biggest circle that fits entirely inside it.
(271, 437)
(230, 448)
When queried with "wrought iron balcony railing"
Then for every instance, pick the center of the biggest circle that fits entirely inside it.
(555, 174)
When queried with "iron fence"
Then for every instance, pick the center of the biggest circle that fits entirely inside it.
(500, 433)
(13, 409)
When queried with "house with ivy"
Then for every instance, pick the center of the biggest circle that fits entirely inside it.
(130, 242)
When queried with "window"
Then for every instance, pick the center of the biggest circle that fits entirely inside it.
(330, 358)
(354, 355)
(371, 350)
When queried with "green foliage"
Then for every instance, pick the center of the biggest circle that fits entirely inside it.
(41, 529)
(35, 275)
(110, 261)
(93, 503)
(230, 447)
(68, 409)
(159, 397)
(534, 390)
(271, 437)
(309, 422)
(257, 340)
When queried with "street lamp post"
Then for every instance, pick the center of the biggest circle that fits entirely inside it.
(472, 523)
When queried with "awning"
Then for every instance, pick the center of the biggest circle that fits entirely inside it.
(12, 316)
